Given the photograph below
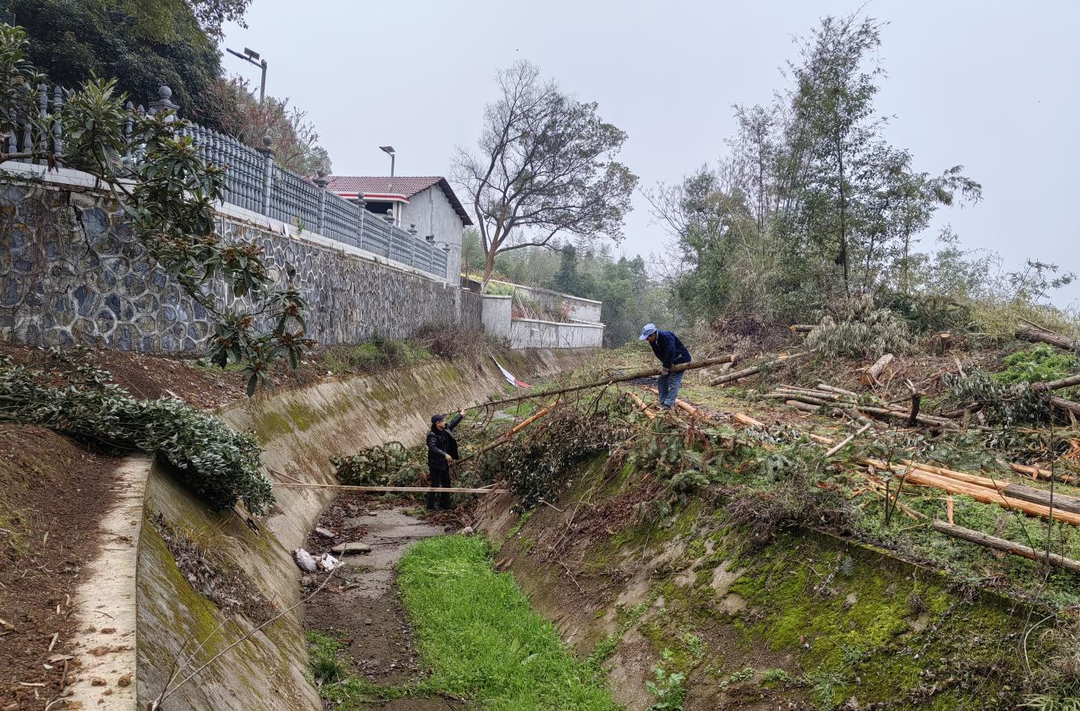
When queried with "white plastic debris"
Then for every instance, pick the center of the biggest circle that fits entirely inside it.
(304, 560)
(328, 562)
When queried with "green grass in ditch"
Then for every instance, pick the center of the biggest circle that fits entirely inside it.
(481, 637)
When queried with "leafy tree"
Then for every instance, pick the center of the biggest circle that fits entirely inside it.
(169, 196)
(811, 203)
(545, 167)
(231, 108)
(472, 254)
(142, 44)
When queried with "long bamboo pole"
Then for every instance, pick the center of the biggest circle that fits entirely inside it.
(402, 489)
(610, 381)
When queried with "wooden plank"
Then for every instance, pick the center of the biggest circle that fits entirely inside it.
(1041, 496)
(390, 489)
(1007, 546)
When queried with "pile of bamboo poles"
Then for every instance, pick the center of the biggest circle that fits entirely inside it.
(1028, 500)
(845, 402)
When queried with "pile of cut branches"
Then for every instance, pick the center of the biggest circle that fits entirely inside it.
(220, 465)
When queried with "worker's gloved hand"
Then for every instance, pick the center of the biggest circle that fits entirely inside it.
(665, 371)
(449, 458)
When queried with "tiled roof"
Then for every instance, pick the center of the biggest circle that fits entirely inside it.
(405, 186)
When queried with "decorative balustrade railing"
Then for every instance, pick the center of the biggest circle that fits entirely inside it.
(254, 182)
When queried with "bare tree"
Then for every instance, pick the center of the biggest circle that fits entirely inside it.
(544, 166)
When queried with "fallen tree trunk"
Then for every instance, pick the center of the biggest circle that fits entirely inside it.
(903, 415)
(609, 381)
(805, 407)
(870, 375)
(1058, 384)
(641, 404)
(1063, 404)
(1041, 335)
(1006, 546)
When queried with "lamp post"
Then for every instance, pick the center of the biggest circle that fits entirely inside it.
(252, 57)
(389, 150)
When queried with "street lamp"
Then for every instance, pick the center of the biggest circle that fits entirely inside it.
(252, 57)
(389, 150)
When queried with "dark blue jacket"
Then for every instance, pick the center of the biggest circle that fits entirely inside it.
(669, 349)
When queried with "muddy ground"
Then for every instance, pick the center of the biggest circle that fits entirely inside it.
(53, 494)
(362, 606)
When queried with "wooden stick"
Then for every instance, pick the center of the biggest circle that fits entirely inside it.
(401, 489)
(1001, 544)
(626, 377)
(641, 403)
(747, 420)
(838, 391)
(1038, 473)
(505, 437)
(843, 443)
(802, 328)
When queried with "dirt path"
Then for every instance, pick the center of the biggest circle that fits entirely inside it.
(363, 606)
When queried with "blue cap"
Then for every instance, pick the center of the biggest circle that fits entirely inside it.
(650, 329)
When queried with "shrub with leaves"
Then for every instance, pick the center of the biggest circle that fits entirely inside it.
(1004, 403)
(859, 329)
(386, 465)
(1037, 364)
(218, 464)
(538, 465)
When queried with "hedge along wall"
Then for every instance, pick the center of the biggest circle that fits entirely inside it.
(72, 272)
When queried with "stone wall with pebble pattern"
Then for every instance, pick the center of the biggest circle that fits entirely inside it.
(72, 272)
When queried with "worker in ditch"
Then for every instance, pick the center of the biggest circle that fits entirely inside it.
(670, 351)
(442, 449)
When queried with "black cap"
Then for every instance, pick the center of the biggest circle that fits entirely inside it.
(436, 419)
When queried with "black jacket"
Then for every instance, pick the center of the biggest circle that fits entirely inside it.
(669, 349)
(439, 444)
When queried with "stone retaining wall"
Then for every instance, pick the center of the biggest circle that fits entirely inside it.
(72, 272)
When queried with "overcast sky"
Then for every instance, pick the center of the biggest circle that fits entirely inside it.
(992, 85)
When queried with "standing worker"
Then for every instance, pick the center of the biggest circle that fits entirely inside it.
(442, 449)
(667, 347)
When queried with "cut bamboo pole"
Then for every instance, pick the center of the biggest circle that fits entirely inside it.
(400, 489)
(836, 448)
(506, 436)
(747, 372)
(626, 377)
(747, 420)
(641, 403)
(1001, 544)
(838, 391)
(1039, 473)
(870, 375)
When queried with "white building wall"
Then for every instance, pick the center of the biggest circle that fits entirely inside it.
(433, 214)
(495, 315)
(583, 310)
(528, 333)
